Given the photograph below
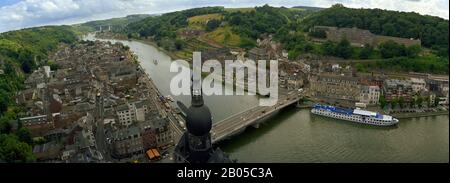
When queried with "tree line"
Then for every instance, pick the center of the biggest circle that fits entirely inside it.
(432, 31)
(416, 101)
(291, 28)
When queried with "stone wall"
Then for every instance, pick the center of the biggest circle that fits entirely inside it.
(359, 37)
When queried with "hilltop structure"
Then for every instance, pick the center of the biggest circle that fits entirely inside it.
(360, 37)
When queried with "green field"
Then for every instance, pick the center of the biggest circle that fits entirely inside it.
(224, 36)
(199, 22)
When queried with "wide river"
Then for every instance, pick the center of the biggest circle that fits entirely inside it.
(295, 135)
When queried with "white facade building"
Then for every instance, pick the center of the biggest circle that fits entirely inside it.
(370, 94)
(132, 112)
(126, 114)
(418, 85)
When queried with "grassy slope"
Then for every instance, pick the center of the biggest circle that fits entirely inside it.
(199, 22)
(224, 36)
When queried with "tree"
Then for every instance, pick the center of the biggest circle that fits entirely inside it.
(5, 126)
(293, 54)
(26, 66)
(394, 103)
(401, 102)
(247, 43)
(328, 48)
(19, 124)
(436, 102)
(344, 49)
(12, 150)
(411, 103)
(360, 67)
(413, 51)
(419, 101)
(25, 56)
(338, 5)
(24, 135)
(9, 69)
(179, 44)
(366, 51)
(442, 52)
(390, 49)
(212, 24)
(389, 29)
(236, 20)
(3, 101)
(53, 65)
(3, 105)
(382, 101)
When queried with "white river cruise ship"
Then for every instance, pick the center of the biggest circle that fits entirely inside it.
(354, 115)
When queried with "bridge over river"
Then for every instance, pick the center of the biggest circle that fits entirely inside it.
(237, 123)
(252, 117)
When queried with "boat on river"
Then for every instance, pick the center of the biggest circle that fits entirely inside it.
(354, 115)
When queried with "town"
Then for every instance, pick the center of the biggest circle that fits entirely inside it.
(98, 105)
(101, 91)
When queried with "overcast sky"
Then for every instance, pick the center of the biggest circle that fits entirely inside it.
(16, 14)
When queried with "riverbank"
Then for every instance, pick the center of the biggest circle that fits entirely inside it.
(422, 114)
(172, 55)
(398, 115)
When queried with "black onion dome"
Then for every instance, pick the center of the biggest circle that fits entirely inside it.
(198, 120)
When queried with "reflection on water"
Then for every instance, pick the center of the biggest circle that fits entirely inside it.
(299, 136)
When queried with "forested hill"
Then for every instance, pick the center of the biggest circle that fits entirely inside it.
(252, 22)
(248, 23)
(29, 47)
(21, 52)
(182, 32)
(115, 23)
(432, 31)
(166, 24)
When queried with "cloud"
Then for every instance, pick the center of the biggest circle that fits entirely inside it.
(428, 7)
(29, 13)
(42, 12)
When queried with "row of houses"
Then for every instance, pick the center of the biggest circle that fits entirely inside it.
(142, 127)
(349, 89)
(138, 138)
(94, 82)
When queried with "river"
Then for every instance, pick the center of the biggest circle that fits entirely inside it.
(295, 135)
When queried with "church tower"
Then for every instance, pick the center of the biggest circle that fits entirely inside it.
(195, 146)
